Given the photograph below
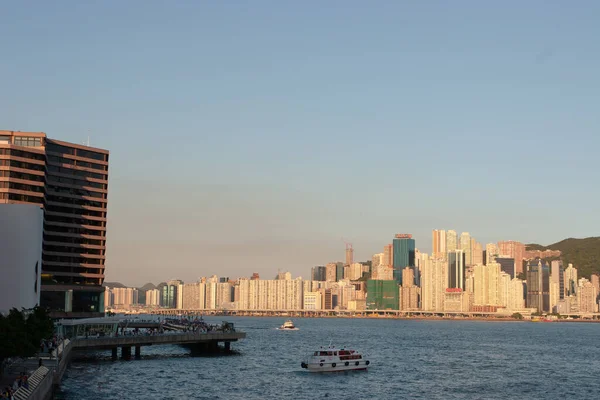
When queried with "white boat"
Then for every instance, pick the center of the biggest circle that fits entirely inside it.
(288, 326)
(331, 359)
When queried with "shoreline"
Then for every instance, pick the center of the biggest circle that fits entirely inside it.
(393, 317)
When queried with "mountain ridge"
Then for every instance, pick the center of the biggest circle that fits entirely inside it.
(583, 253)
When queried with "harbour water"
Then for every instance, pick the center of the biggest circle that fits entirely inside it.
(412, 359)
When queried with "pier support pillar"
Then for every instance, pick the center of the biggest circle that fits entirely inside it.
(138, 352)
(114, 354)
(227, 346)
(126, 352)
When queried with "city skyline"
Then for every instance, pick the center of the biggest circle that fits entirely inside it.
(243, 141)
(503, 254)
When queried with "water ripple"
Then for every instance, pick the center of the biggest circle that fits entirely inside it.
(410, 359)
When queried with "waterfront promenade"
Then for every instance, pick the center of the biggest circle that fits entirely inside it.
(45, 371)
(400, 314)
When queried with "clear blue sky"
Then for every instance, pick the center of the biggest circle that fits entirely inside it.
(254, 136)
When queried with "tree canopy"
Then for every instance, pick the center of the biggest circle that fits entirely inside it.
(584, 254)
(22, 331)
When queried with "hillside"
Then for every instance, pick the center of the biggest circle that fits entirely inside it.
(584, 254)
(113, 285)
(147, 286)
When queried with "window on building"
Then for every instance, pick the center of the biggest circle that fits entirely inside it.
(27, 141)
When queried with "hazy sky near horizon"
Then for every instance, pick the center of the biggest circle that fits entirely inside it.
(254, 136)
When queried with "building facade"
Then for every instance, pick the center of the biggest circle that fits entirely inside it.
(70, 182)
(456, 269)
(507, 265)
(438, 243)
(538, 286)
(20, 256)
(382, 295)
(404, 254)
(515, 250)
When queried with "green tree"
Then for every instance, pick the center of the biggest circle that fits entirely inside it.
(22, 331)
(517, 316)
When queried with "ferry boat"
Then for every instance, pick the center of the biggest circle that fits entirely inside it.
(288, 326)
(332, 359)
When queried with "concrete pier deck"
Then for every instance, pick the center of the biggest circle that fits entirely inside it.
(151, 340)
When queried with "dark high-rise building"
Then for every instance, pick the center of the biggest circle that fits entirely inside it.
(168, 296)
(507, 265)
(319, 273)
(456, 269)
(404, 254)
(485, 257)
(339, 271)
(70, 182)
(538, 286)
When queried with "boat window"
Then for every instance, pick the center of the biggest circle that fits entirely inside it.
(323, 353)
(316, 353)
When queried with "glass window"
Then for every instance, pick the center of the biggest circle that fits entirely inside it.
(27, 141)
(90, 154)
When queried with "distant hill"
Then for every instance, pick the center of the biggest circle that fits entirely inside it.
(113, 285)
(147, 286)
(584, 254)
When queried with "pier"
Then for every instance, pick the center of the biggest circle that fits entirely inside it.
(197, 342)
(130, 335)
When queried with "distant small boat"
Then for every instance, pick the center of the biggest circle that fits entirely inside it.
(288, 326)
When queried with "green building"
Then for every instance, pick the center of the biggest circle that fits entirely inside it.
(382, 295)
(404, 256)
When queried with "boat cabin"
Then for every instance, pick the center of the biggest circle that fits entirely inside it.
(342, 354)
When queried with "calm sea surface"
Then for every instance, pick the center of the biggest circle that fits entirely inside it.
(409, 359)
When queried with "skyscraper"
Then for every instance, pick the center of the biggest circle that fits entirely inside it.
(456, 269)
(388, 255)
(355, 271)
(516, 297)
(507, 265)
(451, 241)
(439, 243)
(487, 284)
(404, 254)
(377, 260)
(349, 254)
(331, 272)
(513, 249)
(465, 246)
(491, 252)
(409, 293)
(319, 273)
(339, 271)
(557, 276)
(538, 286)
(587, 295)
(70, 182)
(476, 253)
(570, 281)
(427, 281)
